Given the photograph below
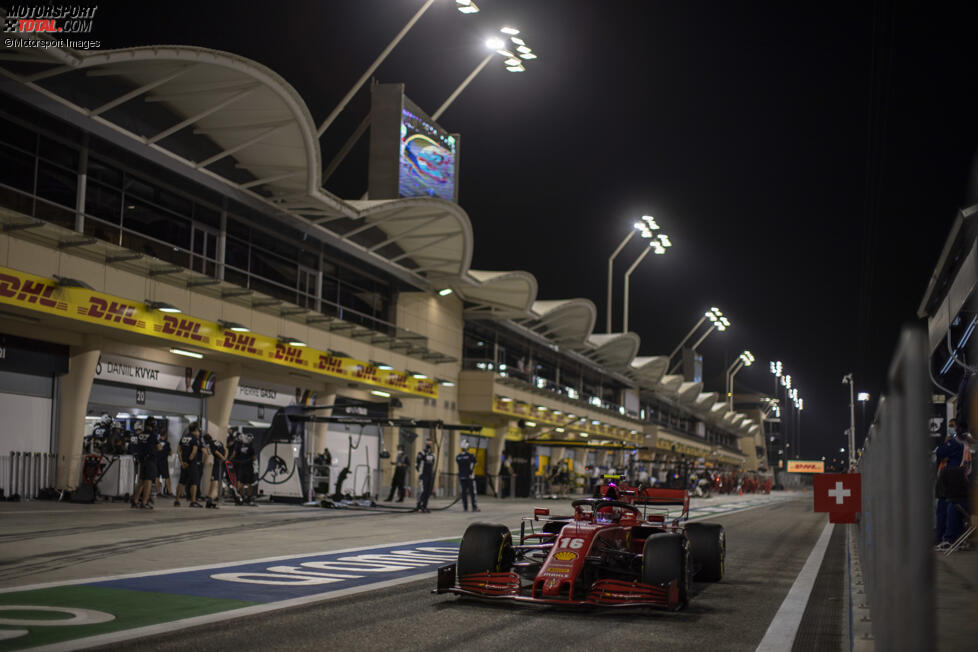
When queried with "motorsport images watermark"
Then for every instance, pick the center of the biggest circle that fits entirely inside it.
(49, 22)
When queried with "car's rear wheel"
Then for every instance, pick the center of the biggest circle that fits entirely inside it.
(708, 548)
(665, 558)
(486, 548)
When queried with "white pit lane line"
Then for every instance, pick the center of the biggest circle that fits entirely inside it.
(781, 632)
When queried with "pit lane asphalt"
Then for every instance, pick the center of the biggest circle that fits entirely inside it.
(767, 547)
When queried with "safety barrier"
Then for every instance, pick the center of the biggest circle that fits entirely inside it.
(26, 473)
(896, 527)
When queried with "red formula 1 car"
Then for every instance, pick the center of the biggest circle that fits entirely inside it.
(608, 553)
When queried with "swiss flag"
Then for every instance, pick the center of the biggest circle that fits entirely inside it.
(838, 492)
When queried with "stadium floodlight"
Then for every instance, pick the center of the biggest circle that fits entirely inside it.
(528, 55)
(510, 31)
(644, 226)
(513, 62)
(466, 7)
(517, 41)
(495, 43)
(863, 396)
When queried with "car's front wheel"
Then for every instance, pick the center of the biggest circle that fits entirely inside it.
(486, 548)
(665, 557)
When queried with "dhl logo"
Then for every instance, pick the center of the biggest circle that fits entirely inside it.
(396, 380)
(330, 364)
(185, 328)
(240, 342)
(366, 372)
(29, 292)
(290, 354)
(114, 311)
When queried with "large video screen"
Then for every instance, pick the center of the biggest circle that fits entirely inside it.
(427, 157)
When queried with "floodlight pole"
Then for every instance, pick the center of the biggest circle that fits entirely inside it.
(686, 339)
(705, 335)
(731, 372)
(611, 261)
(462, 86)
(624, 328)
(852, 420)
(379, 60)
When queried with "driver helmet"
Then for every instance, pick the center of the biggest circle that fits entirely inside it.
(606, 514)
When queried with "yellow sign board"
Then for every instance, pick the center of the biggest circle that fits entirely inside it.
(806, 466)
(44, 295)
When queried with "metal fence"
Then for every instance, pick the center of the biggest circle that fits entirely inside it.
(896, 528)
(24, 473)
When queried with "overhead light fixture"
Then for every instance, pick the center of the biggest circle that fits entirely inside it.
(291, 341)
(233, 326)
(523, 49)
(67, 282)
(466, 7)
(189, 354)
(123, 415)
(583, 434)
(530, 424)
(558, 412)
(594, 422)
(510, 31)
(377, 392)
(528, 55)
(508, 62)
(863, 396)
(445, 292)
(517, 41)
(418, 375)
(505, 399)
(162, 306)
(446, 383)
(558, 430)
(495, 43)
(516, 68)
(383, 366)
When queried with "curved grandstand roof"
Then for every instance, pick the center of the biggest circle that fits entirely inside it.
(689, 392)
(705, 401)
(232, 119)
(567, 322)
(499, 294)
(648, 370)
(670, 384)
(613, 350)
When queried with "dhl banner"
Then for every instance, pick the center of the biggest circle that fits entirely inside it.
(806, 466)
(43, 295)
(548, 417)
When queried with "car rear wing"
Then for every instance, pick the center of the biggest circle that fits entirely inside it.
(651, 496)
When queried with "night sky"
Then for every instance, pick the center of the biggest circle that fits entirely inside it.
(807, 159)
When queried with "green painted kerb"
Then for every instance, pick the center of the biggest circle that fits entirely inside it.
(131, 609)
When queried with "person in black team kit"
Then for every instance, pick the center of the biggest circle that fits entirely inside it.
(163, 467)
(466, 477)
(243, 457)
(190, 465)
(218, 454)
(147, 448)
(400, 470)
(425, 465)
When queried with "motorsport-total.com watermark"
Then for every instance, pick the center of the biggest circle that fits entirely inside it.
(45, 26)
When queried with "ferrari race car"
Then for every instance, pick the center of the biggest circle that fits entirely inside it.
(608, 553)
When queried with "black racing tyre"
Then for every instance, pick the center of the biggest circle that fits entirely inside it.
(486, 548)
(708, 549)
(665, 557)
